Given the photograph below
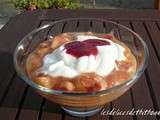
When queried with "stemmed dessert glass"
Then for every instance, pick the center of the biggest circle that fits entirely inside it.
(81, 104)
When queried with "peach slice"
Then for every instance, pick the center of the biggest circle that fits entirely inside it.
(43, 48)
(64, 85)
(59, 40)
(89, 82)
(33, 62)
(117, 77)
(45, 81)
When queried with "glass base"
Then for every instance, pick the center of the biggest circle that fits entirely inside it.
(81, 112)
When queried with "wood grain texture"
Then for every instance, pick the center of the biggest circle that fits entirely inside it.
(153, 70)
(14, 97)
(20, 102)
(51, 111)
(102, 13)
(154, 34)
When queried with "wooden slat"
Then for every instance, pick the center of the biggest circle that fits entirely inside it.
(7, 113)
(69, 117)
(6, 74)
(140, 89)
(158, 24)
(153, 70)
(84, 26)
(154, 34)
(102, 13)
(123, 103)
(4, 87)
(56, 29)
(14, 97)
(98, 26)
(70, 26)
(12, 33)
(31, 106)
(51, 111)
(16, 29)
(50, 116)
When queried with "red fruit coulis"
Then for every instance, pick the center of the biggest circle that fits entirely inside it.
(84, 48)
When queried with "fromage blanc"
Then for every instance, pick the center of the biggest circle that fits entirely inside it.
(84, 55)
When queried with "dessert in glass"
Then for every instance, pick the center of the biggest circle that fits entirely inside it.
(81, 70)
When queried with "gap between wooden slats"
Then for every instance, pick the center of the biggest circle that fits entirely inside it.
(151, 102)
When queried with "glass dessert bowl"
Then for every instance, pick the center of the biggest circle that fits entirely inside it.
(54, 63)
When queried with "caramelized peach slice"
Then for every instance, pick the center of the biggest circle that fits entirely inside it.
(117, 77)
(90, 82)
(45, 81)
(123, 66)
(99, 85)
(65, 85)
(43, 48)
(59, 40)
(84, 82)
(33, 62)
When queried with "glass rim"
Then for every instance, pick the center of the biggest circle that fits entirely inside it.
(135, 77)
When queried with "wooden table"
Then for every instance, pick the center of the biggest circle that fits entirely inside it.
(18, 101)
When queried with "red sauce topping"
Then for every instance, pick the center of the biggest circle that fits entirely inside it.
(84, 48)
